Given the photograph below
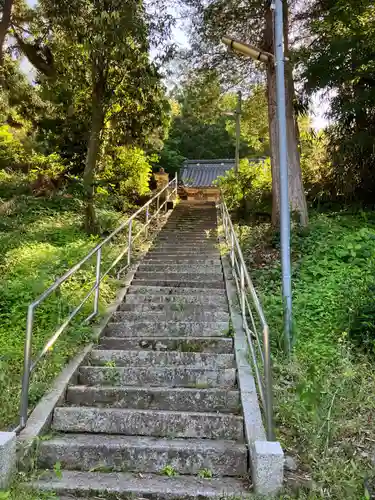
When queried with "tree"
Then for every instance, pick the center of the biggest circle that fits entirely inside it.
(253, 22)
(201, 127)
(6, 10)
(108, 46)
(340, 59)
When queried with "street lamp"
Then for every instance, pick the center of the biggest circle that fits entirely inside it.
(278, 60)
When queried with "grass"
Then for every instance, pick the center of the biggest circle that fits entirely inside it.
(168, 470)
(324, 395)
(39, 240)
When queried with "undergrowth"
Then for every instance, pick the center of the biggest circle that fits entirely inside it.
(40, 239)
(324, 395)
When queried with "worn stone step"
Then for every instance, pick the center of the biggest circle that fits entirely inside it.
(200, 282)
(150, 260)
(167, 328)
(202, 231)
(176, 306)
(196, 232)
(175, 291)
(191, 224)
(190, 238)
(156, 398)
(167, 376)
(184, 344)
(196, 300)
(143, 454)
(185, 243)
(153, 487)
(164, 267)
(186, 250)
(170, 424)
(208, 361)
(171, 315)
(171, 256)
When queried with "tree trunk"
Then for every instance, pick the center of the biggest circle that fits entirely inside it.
(4, 26)
(97, 120)
(297, 197)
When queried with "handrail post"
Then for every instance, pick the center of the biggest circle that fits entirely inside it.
(232, 250)
(225, 224)
(147, 215)
(176, 186)
(157, 205)
(24, 406)
(130, 241)
(268, 384)
(97, 281)
(242, 287)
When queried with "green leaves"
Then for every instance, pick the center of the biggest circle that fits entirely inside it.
(341, 61)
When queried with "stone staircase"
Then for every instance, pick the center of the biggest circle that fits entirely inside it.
(155, 412)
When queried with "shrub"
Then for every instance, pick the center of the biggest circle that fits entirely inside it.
(250, 189)
(50, 166)
(12, 151)
(125, 174)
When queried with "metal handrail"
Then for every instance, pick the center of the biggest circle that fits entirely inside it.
(245, 290)
(170, 191)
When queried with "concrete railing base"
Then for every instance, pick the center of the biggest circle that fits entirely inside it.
(266, 458)
(267, 467)
(8, 458)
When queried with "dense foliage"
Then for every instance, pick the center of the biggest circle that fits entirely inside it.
(323, 394)
(340, 59)
(202, 110)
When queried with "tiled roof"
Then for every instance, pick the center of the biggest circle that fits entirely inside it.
(202, 173)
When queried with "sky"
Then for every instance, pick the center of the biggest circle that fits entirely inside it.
(319, 107)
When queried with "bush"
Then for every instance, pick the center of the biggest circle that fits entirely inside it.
(50, 166)
(317, 170)
(125, 174)
(250, 189)
(12, 151)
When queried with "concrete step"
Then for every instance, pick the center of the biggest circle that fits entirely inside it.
(185, 246)
(184, 344)
(174, 256)
(176, 291)
(209, 361)
(181, 306)
(156, 398)
(195, 300)
(164, 267)
(141, 486)
(206, 230)
(190, 239)
(200, 282)
(167, 328)
(170, 424)
(142, 454)
(171, 315)
(167, 376)
(190, 251)
(197, 261)
(191, 223)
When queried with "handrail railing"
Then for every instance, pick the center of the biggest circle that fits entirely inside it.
(170, 191)
(259, 347)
